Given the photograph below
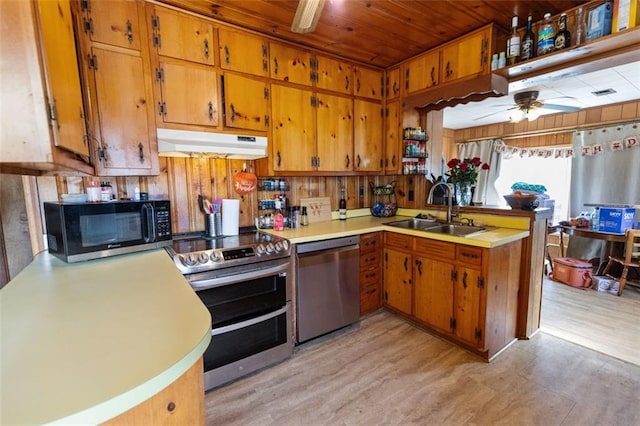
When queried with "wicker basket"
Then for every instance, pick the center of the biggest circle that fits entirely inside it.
(522, 202)
(385, 200)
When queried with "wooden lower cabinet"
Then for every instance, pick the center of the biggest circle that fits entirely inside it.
(465, 293)
(180, 403)
(370, 272)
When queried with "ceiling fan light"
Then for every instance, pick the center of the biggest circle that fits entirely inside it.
(517, 116)
(307, 16)
(533, 114)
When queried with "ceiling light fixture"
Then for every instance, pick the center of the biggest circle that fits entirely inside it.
(307, 16)
(531, 114)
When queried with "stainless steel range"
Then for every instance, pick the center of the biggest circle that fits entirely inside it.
(243, 281)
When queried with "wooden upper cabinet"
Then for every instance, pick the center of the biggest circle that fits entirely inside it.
(112, 22)
(422, 72)
(290, 64)
(293, 129)
(467, 57)
(181, 36)
(368, 83)
(35, 60)
(64, 92)
(393, 145)
(367, 136)
(334, 133)
(243, 52)
(189, 94)
(334, 75)
(246, 102)
(124, 126)
(392, 83)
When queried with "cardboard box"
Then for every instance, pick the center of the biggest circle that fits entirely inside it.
(625, 14)
(573, 272)
(616, 220)
(599, 23)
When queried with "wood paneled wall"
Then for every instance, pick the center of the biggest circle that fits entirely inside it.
(553, 129)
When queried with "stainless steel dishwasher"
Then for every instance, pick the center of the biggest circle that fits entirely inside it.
(327, 286)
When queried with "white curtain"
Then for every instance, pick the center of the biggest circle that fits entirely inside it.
(485, 192)
(608, 176)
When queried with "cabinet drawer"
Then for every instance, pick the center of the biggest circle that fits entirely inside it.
(370, 276)
(368, 260)
(369, 299)
(468, 254)
(435, 249)
(391, 239)
(369, 242)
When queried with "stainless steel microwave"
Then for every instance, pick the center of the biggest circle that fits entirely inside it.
(83, 231)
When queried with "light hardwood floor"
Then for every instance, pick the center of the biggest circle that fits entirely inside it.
(388, 372)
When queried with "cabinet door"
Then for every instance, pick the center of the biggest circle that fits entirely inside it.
(334, 133)
(127, 140)
(392, 83)
(293, 129)
(467, 298)
(112, 22)
(397, 280)
(64, 92)
(434, 292)
(189, 94)
(422, 72)
(246, 102)
(181, 36)
(333, 75)
(392, 163)
(465, 58)
(368, 83)
(290, 64)
(367, 136)
(243, 52)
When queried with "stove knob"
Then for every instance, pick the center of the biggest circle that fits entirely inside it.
(215, 257)
(270, 248)
(260, 250)
(285, 245)
(188, 260)
(203, 257)
(278, 246)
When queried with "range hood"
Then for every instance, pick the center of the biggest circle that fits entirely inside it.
(187, 143)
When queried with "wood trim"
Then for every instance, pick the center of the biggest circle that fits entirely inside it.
(34, 217)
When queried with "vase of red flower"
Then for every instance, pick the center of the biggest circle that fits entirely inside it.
(464, 175)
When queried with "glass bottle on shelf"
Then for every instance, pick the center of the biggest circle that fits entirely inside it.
(546, 36)
(513, 43)
(563, 38)
(342, 212)
(581, 27)
(527, 50)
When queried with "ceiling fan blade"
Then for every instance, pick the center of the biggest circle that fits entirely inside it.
(488, 115)
(564, 108)
(307, 16)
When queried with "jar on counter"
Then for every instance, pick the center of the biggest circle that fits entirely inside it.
(106, 191)
(94, 194)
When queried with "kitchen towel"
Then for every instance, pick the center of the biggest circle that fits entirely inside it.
(230, 217)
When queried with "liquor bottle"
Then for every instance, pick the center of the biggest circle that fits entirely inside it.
(342, 213)
(513, 43)
(563, 38)
(581, 27)
(546, 36)
(527, 47)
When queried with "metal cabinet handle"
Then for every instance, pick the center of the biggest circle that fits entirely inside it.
(141, 153)
(129, 32)
(464, 280)
(433, 76)
(348, 161)
(419, 265)
(227, 59)
(275, 66)
(206, 48)
(406, 264)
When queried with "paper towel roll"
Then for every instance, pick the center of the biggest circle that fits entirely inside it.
(230, 217)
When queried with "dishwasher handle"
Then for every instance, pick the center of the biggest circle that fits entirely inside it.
(334, 243)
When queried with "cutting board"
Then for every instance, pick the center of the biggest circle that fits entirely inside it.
(318, 209)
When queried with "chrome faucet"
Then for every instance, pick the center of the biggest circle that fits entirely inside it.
(449, 194)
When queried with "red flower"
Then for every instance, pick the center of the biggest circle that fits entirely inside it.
(485, 166)
(476, 161)
(465, 170)
(464, 166)
(453, 162)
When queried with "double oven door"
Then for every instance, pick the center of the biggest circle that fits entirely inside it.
(251, 321)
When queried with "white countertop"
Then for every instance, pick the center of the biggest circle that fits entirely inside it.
(84, 342)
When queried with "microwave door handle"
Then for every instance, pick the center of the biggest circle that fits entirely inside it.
(147, 211)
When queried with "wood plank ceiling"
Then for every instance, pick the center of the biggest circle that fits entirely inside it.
(380, 33)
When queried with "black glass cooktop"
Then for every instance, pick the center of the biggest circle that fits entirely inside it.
(189, 243)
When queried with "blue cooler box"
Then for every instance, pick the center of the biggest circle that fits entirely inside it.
(615, 220)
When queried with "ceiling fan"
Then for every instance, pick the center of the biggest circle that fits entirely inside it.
(528, 106)
(307, 16)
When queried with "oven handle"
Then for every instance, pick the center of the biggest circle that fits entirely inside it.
(235, 278)
(250, 322)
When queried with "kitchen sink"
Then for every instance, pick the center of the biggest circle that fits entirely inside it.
(428, 225)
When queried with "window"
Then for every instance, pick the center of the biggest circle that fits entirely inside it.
(553, 173)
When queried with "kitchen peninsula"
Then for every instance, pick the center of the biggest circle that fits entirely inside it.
(118, 338)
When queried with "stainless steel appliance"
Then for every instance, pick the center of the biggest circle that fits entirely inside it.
(83, 231)
(243, 281)
(328, 286)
